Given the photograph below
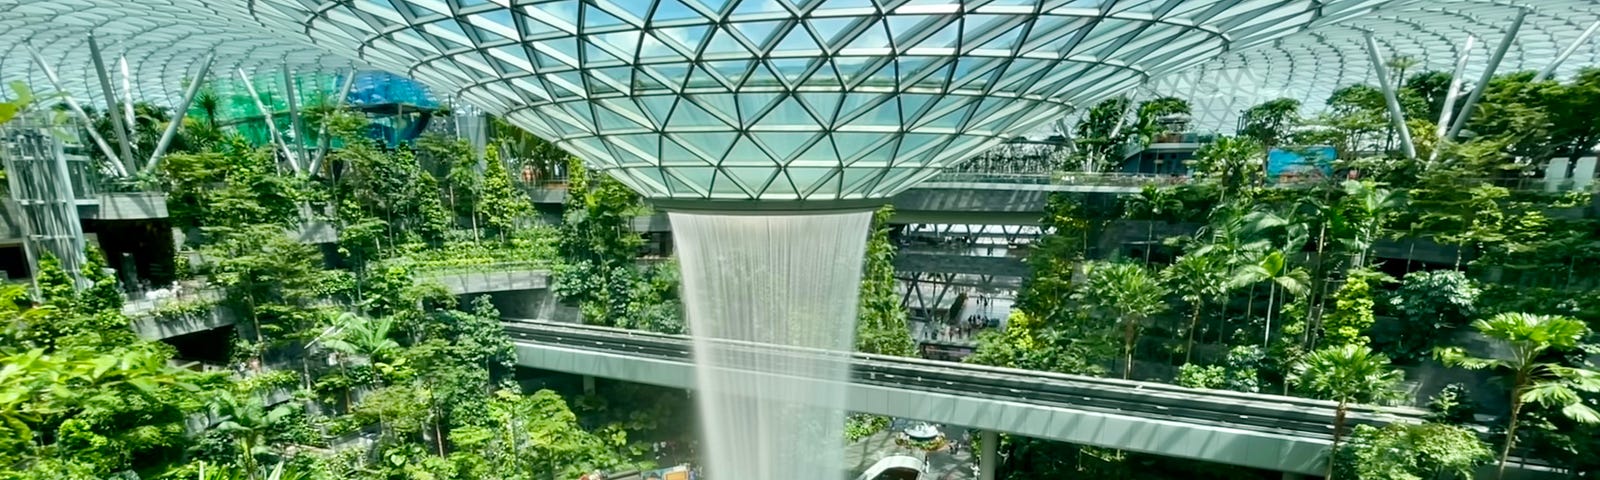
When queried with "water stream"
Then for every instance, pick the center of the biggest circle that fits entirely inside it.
(788, 280)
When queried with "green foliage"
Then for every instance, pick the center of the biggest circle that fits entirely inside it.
(1429, 451)
(1128, 293)
(1352, 313)
(1429, 304)
(859, 426)
(1232, 164)
(1346, 374)
(1271, 122)
(503, 206)
(22, 98)
(1452, 405)
(881, 324)
(597, 248)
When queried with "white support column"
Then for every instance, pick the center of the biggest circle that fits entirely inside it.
(266, 116)
(1448, 112)
(177, 116)
(988, 459)
(1397, 117)
(127, 96)
(112, 111)
(55, 81)
(1488, 74)
(297, 128)
(1567, 52)
(323, 142)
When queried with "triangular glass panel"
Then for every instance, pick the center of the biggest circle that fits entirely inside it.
(711, 146)
(948, 36)
(652, 49)
(831, 30)
(825, 189)
(790, 113)
(657, 107)
(754, 178)
(882, 156)
(724, 186)
(746, 152)
(824, 104)
(760, 76)
(669, 10)
(684, 39)
(951, 119)
(679, 185)
(853, 144)
(855, 104)
(626, 108)
(780, 189)
(562, 50)
(753, 104)
(672, 75)
(623, 44)
(673, 154)
(652, 180)
(595, 17)
(874, 38)
(761, 8)
(758, 33)
(559, 14)
(721, 104)
(687, 114)
(621, 11)
(701, 77)
(783, 145)
(886, 114)
(731, 71)
(724, 45)
(857, 181)
(644, 145)
(798, 41)
(804, 178)
(912, 105)
(820, 154)
(793, 71)
(716, 7)
(905, 28)
(895, 179)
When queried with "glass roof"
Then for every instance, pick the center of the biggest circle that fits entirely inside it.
(790, 99)
(1309, 66)
(162, 42)
(785, 99)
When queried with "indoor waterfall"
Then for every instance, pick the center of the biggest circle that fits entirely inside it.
(780, 279)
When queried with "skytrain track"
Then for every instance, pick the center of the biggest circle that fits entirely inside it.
(1304, 418)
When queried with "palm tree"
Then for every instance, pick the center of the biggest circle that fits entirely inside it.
(1367, 209)
(367, 337)
(1131, 294)
(247, 421)
(1200, 280)
(1273, 267)
(1151, 205)
(1528, 336)
(1346, 374)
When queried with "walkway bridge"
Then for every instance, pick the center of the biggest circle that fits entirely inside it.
(1276, 433)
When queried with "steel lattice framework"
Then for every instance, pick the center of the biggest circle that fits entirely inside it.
(790, 99)
(1309, 66)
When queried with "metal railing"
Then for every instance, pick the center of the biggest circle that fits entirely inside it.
(1112, 179)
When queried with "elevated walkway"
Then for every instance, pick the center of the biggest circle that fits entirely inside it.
(1260, 431)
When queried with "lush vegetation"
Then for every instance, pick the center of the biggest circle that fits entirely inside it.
(1337, 287)
(344, 363)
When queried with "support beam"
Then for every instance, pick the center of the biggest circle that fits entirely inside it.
(177, 116)
(323, 141)
(100, 142)
(1397, 117)
(1449, 111)
(988, 459)
(127, 96)
(266, 116)
(296, 127)
(1567, 52)
(1488, 74)
(112, 111)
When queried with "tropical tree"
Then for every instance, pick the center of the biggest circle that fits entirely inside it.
(1233, 164)
(1533, 379)
(1200, 280)
(1412, 452)
(1273, 267)
(1347, 374)
(1270, 123)
(1367, 210)
(1131, 294)
(246, 420)
(366, 337)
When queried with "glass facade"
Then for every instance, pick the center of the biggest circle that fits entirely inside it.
(784, 99)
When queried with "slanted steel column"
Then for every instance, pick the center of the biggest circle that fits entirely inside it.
(1488, 74)
(1396, 116)
(1449, 110)
(1567, 52)
(127, 97)
(115, 114)
(296, 127)
(988, 459)
(266, 116)
(177, 117)
(105, 148)
(323, 141)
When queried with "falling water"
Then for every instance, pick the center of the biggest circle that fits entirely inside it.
(787, 280)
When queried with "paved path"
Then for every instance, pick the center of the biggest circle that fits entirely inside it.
(942, 465)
